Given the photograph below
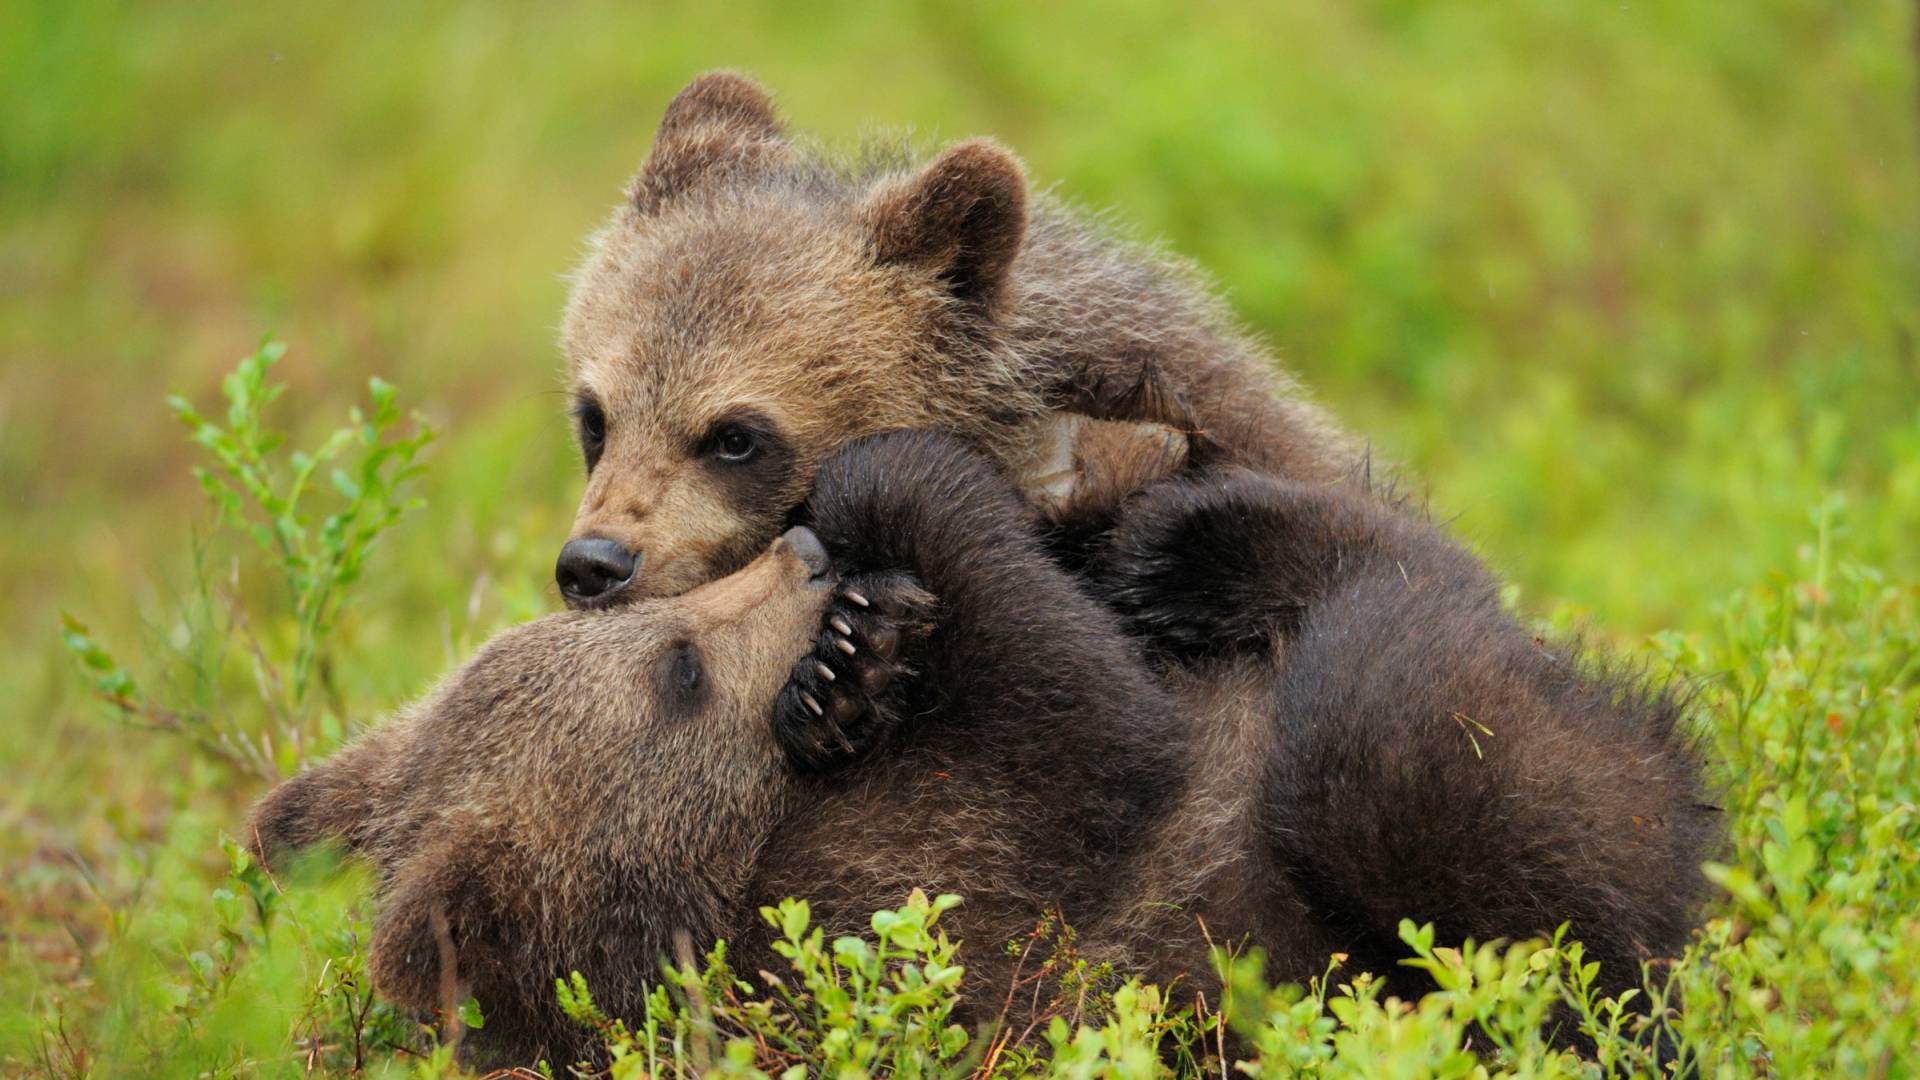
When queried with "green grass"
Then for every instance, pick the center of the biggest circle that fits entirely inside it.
(1632, 290)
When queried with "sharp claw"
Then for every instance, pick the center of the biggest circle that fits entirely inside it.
(812, 704)
(825, 671)
(857, 597)
(843, 645)
(841, 625)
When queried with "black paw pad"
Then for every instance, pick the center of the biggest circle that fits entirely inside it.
(842, 698)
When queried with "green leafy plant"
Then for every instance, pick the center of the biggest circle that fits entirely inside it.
(860, 1005)
(314, 541)
(261, 974)
(271, 501)
(871, 1005)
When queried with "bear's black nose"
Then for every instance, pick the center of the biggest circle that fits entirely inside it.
(592, 569)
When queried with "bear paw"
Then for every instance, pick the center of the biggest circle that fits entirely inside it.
(843, 697)
(1171, 604)
(1220, 564)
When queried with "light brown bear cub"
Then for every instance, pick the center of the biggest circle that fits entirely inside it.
(755, 304)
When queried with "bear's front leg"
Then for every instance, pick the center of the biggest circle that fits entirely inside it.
(844, 697)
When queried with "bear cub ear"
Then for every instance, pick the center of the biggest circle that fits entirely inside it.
(723, 122)
(332, 800)
(964, 216)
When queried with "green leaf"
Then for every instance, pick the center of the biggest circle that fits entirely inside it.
(344, 484)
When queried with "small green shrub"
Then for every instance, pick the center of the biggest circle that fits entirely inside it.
(259, 974)
(273, 500)
(858, 1006)
(877, 1005)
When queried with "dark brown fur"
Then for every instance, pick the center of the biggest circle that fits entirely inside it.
(1433, 758)
(555, 804)
(564, 803)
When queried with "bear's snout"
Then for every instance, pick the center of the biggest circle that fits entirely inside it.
(592, 569)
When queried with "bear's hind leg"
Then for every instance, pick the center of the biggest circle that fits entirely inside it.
(1436, 762)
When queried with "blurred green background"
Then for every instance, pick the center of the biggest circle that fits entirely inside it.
(1630, 289)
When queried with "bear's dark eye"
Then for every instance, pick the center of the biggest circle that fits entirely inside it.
(593, 429)
(680, 678)
(733, 443)
(686, 668)
(745, 455)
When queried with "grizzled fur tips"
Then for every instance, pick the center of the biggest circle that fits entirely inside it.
(755, 303)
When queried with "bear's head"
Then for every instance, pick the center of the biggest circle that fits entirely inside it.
(751, 307)
(589, 786)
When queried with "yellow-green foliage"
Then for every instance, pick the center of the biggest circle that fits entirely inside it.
(1632, 290)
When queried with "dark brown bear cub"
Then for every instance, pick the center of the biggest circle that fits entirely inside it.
(594, 783)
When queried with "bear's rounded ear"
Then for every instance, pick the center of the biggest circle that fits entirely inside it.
(723, 122)
(331, 800)
(964, 216)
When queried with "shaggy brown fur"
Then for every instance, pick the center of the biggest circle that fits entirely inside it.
(754, 304)
(587, 784)
(595, 782)
(1433, 759)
